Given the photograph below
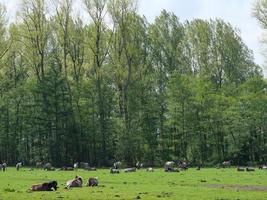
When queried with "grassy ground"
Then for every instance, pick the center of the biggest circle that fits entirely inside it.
(215, 184)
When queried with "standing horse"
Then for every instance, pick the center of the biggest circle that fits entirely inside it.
(117, 165)
(18, 166)
(169, 166)
(226, 164)
(4, 166)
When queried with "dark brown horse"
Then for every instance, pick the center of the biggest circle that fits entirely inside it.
(92, 182)
(45, 186)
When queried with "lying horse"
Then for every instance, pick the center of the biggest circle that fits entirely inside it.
(132, 169)
(91, 169)
(77, 182)
(250, 169)
(114, 171)
(240, 169)
(263, 167)
(150, 169)
(84, 165)
(92, 182)
(67, 168)
(45, 186)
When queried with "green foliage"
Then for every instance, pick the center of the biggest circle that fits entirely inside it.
(118, 88)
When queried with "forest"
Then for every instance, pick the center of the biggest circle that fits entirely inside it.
(112, 86)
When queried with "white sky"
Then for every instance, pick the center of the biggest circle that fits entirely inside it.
(237, 12)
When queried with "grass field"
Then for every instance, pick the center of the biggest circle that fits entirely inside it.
(215, 184)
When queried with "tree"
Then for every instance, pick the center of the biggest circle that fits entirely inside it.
(166, 36)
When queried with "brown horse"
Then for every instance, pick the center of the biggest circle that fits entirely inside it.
(76, 182)
(45, 186)
(92, 182)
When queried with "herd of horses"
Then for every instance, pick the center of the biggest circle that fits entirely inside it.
(76, 182)
(169, 166)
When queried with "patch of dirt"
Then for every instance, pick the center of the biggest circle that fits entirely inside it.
(240, 187)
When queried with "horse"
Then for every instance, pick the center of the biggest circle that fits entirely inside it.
(76, 182)
(131, 169)
(45, 186)
(114, 171)
(76, 166)
(169, 166)
(18, 166)
(226, 164)
(92, 182)
(117, 165)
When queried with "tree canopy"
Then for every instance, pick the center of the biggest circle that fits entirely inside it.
(116, 87)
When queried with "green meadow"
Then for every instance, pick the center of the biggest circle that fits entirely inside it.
(215, 184)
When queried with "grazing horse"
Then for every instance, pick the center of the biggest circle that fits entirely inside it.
(77, 182)
(92, 182)
(18, 166)
(117, 165)
(45, 186)
(226, 164)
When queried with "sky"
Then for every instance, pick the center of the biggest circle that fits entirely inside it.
(237, 12)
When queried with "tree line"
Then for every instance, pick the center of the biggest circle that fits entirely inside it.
(112, 86)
